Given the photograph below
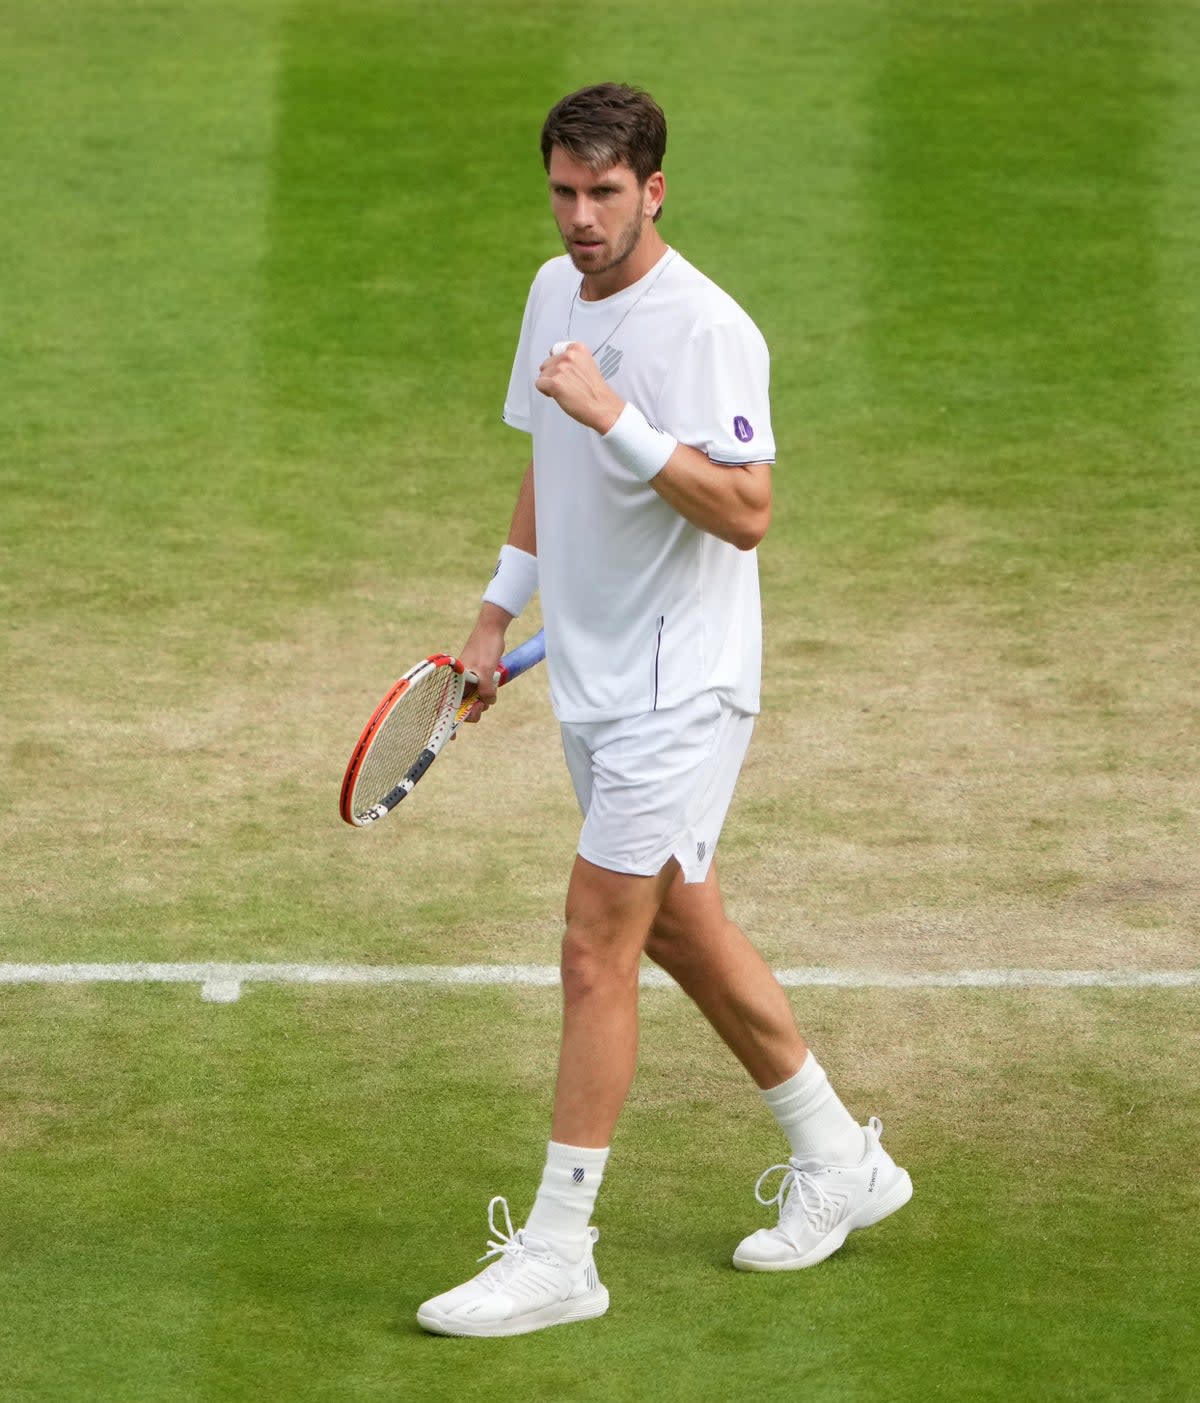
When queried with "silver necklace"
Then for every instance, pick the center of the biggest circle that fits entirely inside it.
(667, 261)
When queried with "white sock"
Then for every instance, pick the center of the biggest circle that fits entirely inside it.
(815, 1122)
(563, 1208)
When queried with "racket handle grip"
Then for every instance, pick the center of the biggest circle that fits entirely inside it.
(522, 658)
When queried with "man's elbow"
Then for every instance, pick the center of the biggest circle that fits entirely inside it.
(754, 515)
(751, 527)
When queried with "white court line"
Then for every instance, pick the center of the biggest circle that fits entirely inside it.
(222, 983)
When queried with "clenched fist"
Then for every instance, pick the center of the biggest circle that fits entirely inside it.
(571, 376)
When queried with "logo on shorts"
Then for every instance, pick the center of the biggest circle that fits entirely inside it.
(577, 1175)
(701, 849)
(743, 429)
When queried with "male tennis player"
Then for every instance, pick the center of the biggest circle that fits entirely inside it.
(645, 390)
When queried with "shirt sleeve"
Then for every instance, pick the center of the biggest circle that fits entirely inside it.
(518, 407)
(717, 397)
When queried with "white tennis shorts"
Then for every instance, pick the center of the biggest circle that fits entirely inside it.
(658, 785)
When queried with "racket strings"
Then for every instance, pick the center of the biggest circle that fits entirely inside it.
(415, 718)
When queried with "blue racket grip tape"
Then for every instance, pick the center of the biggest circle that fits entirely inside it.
(523, 657)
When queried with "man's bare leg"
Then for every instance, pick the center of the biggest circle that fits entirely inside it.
(730, 982)
(609, 915)
(545, 1274)
(714, 963)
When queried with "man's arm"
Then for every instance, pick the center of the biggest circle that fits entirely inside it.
(732, 502)
(522, 531)
(483, 650)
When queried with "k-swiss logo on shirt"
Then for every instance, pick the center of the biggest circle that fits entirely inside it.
(608, 361)
(744, 429)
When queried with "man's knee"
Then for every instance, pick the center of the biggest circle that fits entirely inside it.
(592, 961)
(671, 944)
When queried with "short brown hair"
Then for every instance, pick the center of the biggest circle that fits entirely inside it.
(605, 125)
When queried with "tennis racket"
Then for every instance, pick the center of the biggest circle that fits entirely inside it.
(409, 727)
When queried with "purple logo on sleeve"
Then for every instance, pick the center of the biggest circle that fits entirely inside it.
(743, 429)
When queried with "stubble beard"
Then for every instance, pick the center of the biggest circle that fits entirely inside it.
(627, 242)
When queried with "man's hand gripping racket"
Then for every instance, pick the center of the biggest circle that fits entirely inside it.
(409, 727)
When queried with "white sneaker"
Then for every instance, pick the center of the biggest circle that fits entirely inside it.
(527, 1288)
(821, 1204)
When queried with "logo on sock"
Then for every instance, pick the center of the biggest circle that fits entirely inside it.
(577, 1175)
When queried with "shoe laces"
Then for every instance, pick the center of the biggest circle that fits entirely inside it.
(797, 1189)
(520, 1266)
(511, 1242)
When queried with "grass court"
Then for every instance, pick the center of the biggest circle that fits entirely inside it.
(262, 267)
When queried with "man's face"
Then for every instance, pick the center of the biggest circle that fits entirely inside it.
(601, 214)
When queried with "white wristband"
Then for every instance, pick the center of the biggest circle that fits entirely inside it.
(514, 580)
(639, 446)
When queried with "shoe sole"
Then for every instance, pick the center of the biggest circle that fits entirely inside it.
(587, 1307)
(896, 1197)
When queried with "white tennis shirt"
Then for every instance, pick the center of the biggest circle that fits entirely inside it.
(643, 610)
